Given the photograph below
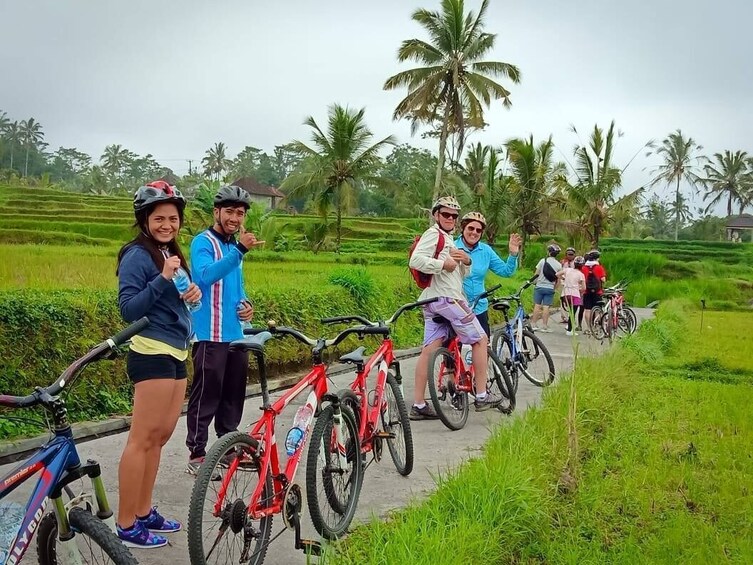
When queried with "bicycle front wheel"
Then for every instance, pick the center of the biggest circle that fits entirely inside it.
(95, 541)
(628, 317)
(535, 361)
(497, 376)
(597, 322)
(229, 535)
(331, 489)
(450, 404)
(395, 421)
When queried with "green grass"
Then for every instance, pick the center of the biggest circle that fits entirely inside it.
(662, 472)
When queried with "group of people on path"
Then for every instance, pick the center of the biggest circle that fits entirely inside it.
(205, 317)
(206, 312)
(580, 281)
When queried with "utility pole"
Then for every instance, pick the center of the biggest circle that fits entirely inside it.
(190, 171)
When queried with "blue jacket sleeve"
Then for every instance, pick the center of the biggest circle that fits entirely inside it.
(138, 289)
(500, 267)
(205, 270)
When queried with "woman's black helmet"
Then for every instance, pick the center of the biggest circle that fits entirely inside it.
(231, 195)
(157, 192)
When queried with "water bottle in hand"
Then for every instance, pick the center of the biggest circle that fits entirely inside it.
(182, 282)
(295, 436)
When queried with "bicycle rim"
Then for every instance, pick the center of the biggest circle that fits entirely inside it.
(229, 536)
(332, 490)
(497, 377)
(535, 361)
(450, 404)
(394, 418)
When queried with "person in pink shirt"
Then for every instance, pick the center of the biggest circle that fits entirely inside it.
(573, 287)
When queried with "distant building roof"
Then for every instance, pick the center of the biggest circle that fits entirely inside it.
(252, 186)
(742, 221)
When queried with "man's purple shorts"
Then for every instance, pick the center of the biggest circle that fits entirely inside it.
(459, 314)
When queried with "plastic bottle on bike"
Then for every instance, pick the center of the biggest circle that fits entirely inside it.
(297, 433)
(467, 352)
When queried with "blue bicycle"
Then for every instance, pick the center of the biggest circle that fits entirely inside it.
(71, 534)
(516, 345)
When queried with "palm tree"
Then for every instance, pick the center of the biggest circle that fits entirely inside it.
(680, 209)
(454, 83)
(31, 136)
(215, 160)
(729, 176)
(4, 122)
(475, 171)
(534, 172)
(593, 195)
(680, 164)
(13, 136)
(342, 160)
(114, 159)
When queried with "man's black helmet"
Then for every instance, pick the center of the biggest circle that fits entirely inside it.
(594, 255)
(157, 192)
(231, 195)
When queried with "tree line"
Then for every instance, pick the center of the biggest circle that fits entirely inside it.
(519, 184)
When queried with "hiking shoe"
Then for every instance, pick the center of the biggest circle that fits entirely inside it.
(491, 400)
(545, 330)
(193, 466)
(425, 413)
(139, 537)
(156, 522)
(571, 333)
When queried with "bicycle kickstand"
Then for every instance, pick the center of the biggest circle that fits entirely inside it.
(310, 547)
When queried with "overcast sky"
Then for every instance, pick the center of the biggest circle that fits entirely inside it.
(173, 77)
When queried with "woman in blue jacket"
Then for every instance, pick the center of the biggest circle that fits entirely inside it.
(483, 260)
(156, 361)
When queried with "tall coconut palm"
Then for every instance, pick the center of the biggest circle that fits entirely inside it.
(680, 209)
(31, 136)
(593, 194)
(4, 122)
(681, 164)
(13, 136)
(454, 83)
(342, 160)
(728, 176)
(475, 171)
(534, 172)
(114, 159)
(215, 160)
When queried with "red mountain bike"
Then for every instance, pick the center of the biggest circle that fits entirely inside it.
(451, 381)
(230, 520)
(380, 413)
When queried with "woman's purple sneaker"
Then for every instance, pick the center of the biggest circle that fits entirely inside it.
(155, 522)
(139, 537)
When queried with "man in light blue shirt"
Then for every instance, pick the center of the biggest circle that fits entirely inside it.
(483, 260)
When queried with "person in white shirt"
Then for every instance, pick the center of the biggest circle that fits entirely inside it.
(573, 287)
(448, 269)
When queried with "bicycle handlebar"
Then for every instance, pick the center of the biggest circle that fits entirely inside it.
(339, 319)
(44, 395)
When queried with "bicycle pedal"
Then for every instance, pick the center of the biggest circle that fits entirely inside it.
(310, 547)
(384, 435)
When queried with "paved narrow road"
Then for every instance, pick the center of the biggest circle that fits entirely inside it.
(436, 450)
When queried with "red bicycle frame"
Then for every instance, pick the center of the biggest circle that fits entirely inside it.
(463, 378)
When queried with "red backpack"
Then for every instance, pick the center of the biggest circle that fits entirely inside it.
(423, 280)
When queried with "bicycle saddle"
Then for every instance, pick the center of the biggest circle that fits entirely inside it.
(503, 305)
(253, 343)
(355, 356)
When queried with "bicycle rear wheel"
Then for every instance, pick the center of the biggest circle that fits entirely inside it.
(95, 541)
(450, 404)
(394, 416)
(230, 535)
(535, 361)
(497, 376)
(597, 322)
(331, 490)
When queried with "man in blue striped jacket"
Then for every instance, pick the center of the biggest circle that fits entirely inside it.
(219, 382)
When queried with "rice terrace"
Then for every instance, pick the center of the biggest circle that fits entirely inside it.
(315, 206)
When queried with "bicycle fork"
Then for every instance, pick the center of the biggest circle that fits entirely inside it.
(70, 554)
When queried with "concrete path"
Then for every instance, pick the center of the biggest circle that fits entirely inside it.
(436, 450)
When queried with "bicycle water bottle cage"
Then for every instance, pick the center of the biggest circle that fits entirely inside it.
(355, 356)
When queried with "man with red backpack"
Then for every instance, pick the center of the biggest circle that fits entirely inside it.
(436, 255)
(595, 276)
